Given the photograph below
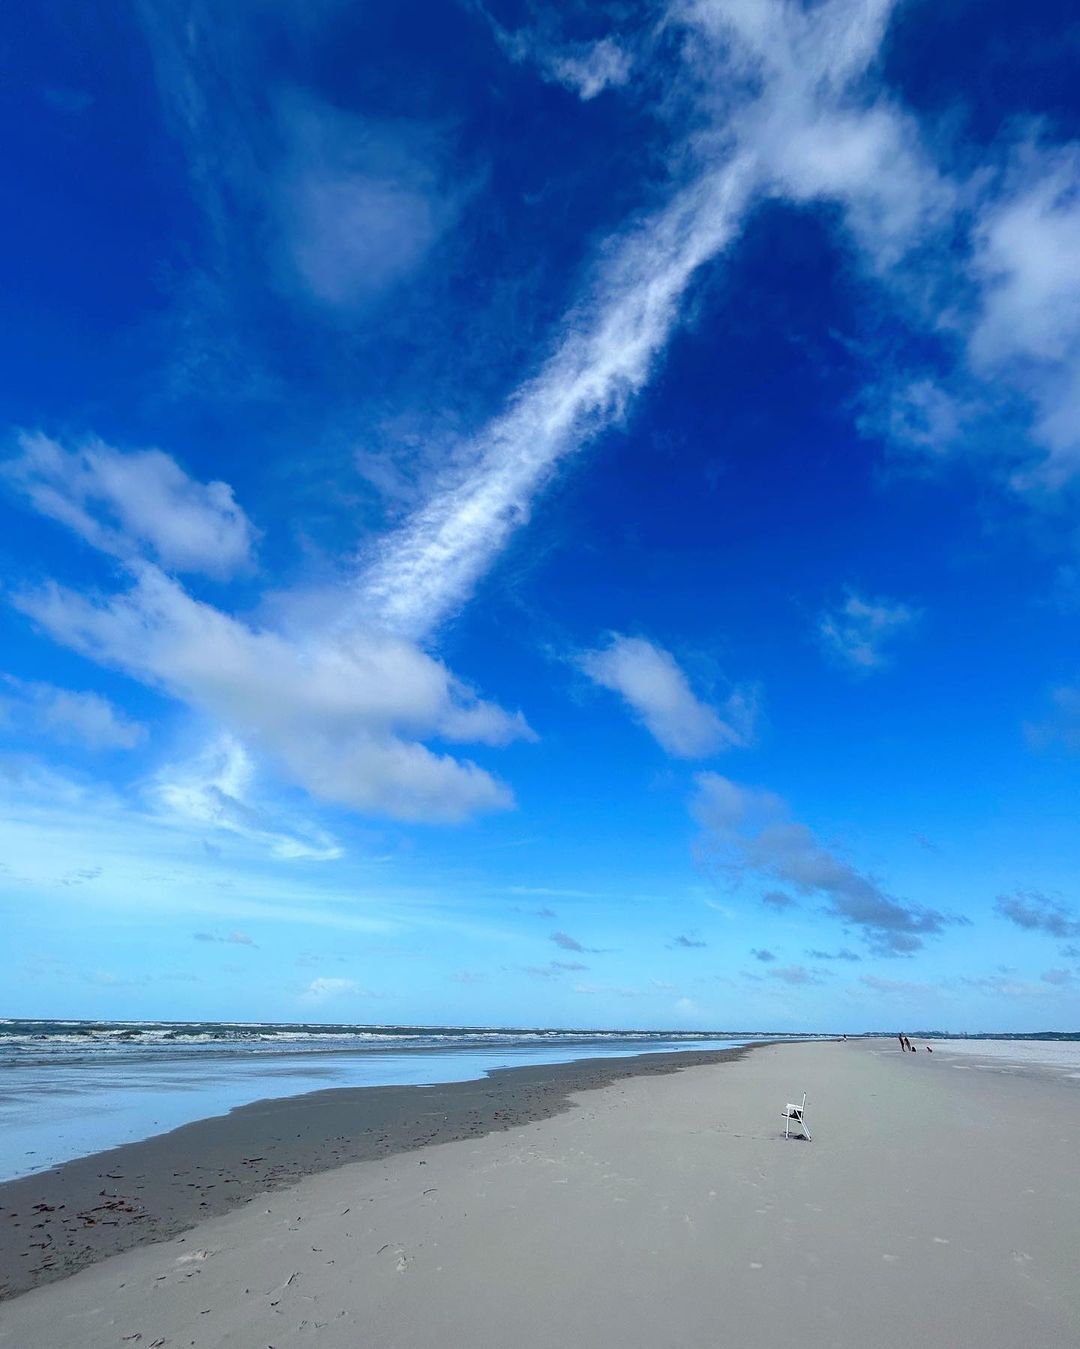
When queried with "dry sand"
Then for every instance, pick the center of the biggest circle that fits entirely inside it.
(938, 1205)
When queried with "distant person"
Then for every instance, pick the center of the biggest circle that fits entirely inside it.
(901, 1039)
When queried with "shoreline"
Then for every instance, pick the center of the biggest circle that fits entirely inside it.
(58, 1221)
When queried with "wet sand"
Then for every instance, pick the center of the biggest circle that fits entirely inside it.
(55, 1222)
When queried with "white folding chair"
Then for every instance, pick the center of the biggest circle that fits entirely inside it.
(793, 1114)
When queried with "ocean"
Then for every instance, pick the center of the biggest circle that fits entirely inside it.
(70, 1088)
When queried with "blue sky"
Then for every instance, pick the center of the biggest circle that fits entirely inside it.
(522, 514)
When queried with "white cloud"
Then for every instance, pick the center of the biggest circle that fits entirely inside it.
(69, 716)
(339, 712)
(585, 68)
(998, 284)
(787, 79)
(125, 504)
(1026, 262)
(918, 414)
(657, 690)
(990, 264)
(859, 631)
(752, 830)
(590, 68)
(1028, 257)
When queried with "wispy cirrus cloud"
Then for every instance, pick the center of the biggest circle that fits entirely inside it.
(56, 830)
(652, 684)
(421, 574)
(337, 207)
(752, 831)
(357, 202)
(585, 68)
(860, 632)
(217, 789)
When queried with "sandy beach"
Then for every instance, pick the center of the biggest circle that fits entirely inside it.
(57, 1221)
(937, 1205)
